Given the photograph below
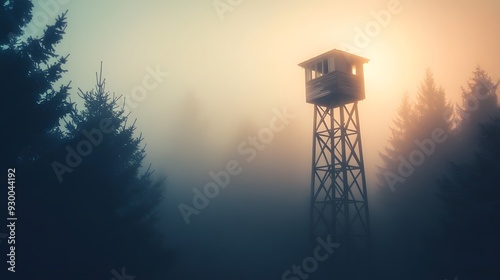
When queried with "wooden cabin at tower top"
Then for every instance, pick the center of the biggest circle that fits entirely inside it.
(334, 78)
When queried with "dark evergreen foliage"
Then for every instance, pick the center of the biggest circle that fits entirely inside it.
(29, 70)
(100, 213)
(121, 218)
(471, 193)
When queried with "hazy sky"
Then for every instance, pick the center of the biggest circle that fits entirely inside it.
(244, 63)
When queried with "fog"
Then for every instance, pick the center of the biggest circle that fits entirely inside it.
(229, 73)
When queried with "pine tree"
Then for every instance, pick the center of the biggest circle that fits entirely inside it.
(113, 200)
(414, 122)
(479, 105)
(399, 144)
(29, 69)
(14, 16)
(430, 107)
(411, 209)
(471, 194)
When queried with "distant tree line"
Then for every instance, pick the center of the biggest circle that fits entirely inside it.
(440, 200)
(84, 201)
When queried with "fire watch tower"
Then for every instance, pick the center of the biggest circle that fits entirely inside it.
(339, 202)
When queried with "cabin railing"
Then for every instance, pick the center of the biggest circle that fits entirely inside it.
(338, 85)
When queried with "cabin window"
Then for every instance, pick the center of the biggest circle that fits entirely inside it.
(317, 70)
(353, 70)
(325, 66)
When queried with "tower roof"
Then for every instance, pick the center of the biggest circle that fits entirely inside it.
(334, 52)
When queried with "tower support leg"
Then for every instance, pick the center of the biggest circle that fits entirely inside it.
(339, 200)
